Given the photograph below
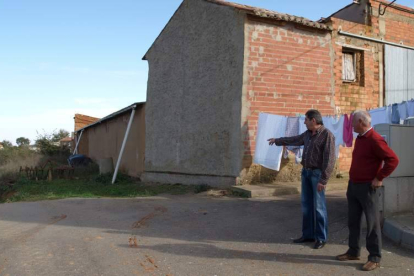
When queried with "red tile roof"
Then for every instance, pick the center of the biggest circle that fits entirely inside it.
(273, 14)
(66, 139)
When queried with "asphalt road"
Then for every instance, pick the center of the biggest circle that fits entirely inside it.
(177, 235)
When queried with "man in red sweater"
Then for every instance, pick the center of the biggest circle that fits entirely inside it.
(372, 161)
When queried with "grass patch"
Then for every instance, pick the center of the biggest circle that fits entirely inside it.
(86, 183)
(96, 186)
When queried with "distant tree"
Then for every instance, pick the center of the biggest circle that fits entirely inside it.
(48, 143)
(22, 141)
(7, 144)
(57, 136)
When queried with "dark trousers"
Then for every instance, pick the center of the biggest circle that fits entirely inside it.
(363, 198)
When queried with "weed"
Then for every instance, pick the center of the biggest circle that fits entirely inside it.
(201, 188)
(238, 194)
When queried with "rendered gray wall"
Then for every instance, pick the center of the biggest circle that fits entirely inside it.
(193, 109)
(398, 195)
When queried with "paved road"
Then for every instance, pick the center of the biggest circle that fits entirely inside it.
(176, 235)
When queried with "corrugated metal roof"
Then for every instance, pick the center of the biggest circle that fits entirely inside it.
(273, 14)
(112, 115)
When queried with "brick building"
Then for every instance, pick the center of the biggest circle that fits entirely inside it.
(217, 65)
(367, 30)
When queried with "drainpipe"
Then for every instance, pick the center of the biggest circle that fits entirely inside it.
(121, 152)
(381, 77)
(77, 143)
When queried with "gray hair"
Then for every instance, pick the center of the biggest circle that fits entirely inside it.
(364, 116)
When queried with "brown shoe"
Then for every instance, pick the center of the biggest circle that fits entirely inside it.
(346, 257)
(370, 266)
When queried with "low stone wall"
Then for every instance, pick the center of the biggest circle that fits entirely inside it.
(398, 195)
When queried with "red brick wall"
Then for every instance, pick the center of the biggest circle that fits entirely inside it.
(399, 25)
(288, 72)
(351, 97)
(354, 96)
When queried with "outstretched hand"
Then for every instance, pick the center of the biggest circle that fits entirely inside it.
(271, 141)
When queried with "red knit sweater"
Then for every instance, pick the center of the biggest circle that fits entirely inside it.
(370, 152)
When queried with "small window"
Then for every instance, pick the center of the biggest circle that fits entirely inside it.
(353, 66)
(348, 66)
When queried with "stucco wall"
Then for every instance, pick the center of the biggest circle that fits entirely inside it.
(194, 94)
(105, 140)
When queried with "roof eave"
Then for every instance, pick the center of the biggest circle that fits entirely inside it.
(112, 115)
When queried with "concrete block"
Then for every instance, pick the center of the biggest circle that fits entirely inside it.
(106, 165)
(400, 229)
(392, 230)
(398, 195)
(407, 239)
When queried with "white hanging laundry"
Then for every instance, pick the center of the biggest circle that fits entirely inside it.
(380, 115)
(388, 111)
(336, 126)
(402, 109)
(292, 129)
(410, 108)
(302, 126)
(302, 129)
(269, 126)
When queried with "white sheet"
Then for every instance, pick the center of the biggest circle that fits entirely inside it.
(269, 126)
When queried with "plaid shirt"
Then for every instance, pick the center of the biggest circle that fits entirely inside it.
(319, 150)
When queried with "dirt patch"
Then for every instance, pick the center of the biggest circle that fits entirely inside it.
(5, 196)
(289, 172)
(143, 222)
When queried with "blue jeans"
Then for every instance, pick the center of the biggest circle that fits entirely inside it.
(315, 216)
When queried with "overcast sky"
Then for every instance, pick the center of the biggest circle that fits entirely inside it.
(58, 58)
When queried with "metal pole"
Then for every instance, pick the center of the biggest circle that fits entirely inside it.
(121, 152)
(77, 143)
(375, 40)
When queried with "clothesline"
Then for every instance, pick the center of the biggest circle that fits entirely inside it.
(276, 126)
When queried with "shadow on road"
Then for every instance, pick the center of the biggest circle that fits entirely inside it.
(215, 252)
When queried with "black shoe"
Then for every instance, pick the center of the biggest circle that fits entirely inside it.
(302, 240)
(319, 244)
